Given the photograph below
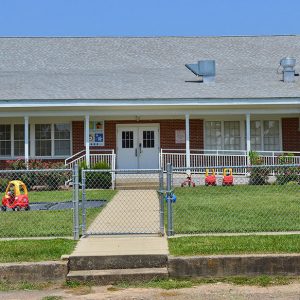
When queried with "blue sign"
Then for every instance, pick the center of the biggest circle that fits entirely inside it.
(99, 137)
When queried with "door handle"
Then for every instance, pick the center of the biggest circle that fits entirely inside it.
(140, 145)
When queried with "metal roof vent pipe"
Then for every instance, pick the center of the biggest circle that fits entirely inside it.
(204, 68)
(288, 65)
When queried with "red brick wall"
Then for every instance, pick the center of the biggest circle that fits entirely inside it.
(77, 136)
(290, 134)
(167, 133)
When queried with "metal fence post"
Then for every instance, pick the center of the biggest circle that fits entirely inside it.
(83, 226)
(76, 202)
(169, 199)
(161, 202)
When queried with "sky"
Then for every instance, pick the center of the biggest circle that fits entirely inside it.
(148, 17)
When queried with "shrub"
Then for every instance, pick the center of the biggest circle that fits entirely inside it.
(3, 184)
(287, 174)
(96, 180)
(258, 175)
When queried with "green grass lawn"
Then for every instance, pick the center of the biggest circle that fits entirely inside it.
(48, 223)
(212, 245)
(242, 208)
(34, 250)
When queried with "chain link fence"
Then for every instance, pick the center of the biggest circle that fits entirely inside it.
(128, 202)
(37, 203)
(219, 200)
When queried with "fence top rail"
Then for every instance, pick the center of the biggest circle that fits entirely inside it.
(35, 170)
(236, 167)
(212, 151)
(123, 170)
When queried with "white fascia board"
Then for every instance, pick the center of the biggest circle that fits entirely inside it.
(146, 102)
(155, 113)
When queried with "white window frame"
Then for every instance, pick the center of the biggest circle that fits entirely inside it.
(32, 140)
(242, 135)
(52, 156)
(243, 130)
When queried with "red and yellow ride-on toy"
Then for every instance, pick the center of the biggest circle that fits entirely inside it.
(16, 196)
(227, 177)
(210, 177)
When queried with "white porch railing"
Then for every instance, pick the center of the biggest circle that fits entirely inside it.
(107, 156)
(210, 158)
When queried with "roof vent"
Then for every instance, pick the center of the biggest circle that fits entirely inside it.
(204, 68)
(288, 64)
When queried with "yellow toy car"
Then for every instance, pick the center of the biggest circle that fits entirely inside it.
(16, 196)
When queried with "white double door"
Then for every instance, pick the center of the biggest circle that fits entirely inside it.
(137, 147)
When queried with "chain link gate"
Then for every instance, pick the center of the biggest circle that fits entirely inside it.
(118, 202)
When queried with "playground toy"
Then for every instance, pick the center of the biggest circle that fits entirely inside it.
(188, 181)
(210, 177)
(227, 177)
(16, 196)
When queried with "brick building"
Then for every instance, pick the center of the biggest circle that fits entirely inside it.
(132, 101)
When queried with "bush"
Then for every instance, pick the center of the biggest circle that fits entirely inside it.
(96, 180)
(3, 184)
(258, 175)
(287, 174)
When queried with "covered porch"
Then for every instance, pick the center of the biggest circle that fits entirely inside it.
(144, 138)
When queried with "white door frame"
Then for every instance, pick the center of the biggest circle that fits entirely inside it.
(136, 125)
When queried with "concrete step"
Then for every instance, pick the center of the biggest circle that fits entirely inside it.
(77, 263)
(104, 277)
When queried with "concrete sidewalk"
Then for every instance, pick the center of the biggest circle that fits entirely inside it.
(121, 245)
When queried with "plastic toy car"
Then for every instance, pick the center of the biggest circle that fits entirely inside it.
(210, 177)
(16, 196)
(227, 177)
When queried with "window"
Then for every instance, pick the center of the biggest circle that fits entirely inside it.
(52, 139)
(127, 139)
(213, 135)
(43, 139)
(148, 139)
(61, 139)
(214, 139)
(255, 135)
(232, 138)
(5, 140)
(265, 135)
(19, 140)
(271, 136)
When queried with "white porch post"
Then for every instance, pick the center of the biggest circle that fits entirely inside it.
(26, 140)
(87, 140)
(248, 137)
(187, 141)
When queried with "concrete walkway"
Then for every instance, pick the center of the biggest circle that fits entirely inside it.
(129, 212)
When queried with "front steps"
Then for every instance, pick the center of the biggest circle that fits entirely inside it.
(113, 269)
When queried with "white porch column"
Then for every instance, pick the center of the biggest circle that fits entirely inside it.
(87, 140)
(26, 140)
(248, 137)
(187, 140)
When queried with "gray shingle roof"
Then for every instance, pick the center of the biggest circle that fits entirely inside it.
(134, 68)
